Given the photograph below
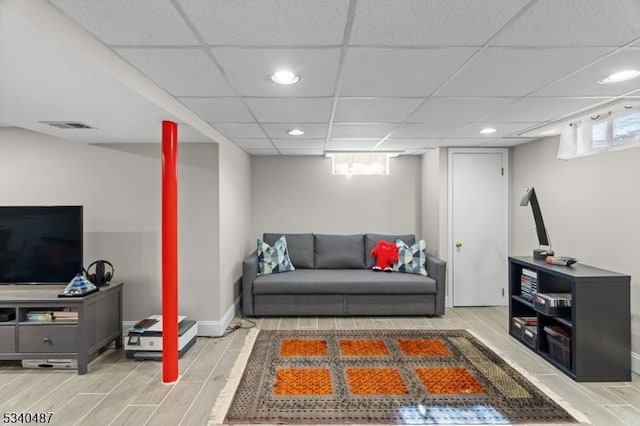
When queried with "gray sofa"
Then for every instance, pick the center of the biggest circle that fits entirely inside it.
(333, 276)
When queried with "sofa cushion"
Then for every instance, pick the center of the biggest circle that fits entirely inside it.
(370, 240)
(274, 259)
(411, 259)
(300, 248)
(343, 281)
(339, 251)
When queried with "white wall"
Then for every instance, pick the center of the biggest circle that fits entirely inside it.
(235, 224)
(299, 194)
(120, 192)
(590, 207)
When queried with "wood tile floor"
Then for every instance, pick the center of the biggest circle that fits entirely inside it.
(119, 391)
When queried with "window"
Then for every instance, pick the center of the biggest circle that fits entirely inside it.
(625, 129)
(613, 130)
(361, 163)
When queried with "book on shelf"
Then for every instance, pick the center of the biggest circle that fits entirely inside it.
(528, 286)
(530, 273)
(65, 315)
(39, 316)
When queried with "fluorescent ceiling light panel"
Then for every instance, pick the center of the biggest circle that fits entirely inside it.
(296, 132)
(488, 130)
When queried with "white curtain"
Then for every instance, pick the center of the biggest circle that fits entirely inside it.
(568, 146)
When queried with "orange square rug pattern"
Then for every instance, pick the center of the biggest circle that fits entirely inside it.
(384, 377)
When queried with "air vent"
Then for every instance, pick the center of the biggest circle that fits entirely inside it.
(66, 124)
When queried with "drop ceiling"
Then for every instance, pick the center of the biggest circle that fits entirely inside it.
(404, 75)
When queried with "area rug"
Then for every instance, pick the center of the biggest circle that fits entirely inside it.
(379, 377)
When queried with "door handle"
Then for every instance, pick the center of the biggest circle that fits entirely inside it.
(458, 244)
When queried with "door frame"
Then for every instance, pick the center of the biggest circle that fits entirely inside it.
(505, 189)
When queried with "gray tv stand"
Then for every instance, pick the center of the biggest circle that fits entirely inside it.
(99, 323)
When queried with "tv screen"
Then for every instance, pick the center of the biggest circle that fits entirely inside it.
(40, 244)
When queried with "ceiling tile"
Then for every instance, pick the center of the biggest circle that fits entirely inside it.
(240, 130)
(585, 82)
(126, 22)
(254, 143)
(503, 129)
(517, 72)
(262, 152)
(248, 70)
(311, 130)
(400, 54)
(374, 110)
(457, 110)
(187, 133)
(287, 110)
(302, 151)
(540, 109)
(429, 23)
(399, 72)
(181, 72)
(361, 130)
(507, 142)
(272, 23)
(574, 23)
(229, 110)
(425, 130)
(401, 144)
(351, 144)
(453, 142)
(283, 144)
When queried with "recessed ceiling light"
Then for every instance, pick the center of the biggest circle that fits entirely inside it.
(620, 76)
(296, 132)
(488, 130)
(284, 77)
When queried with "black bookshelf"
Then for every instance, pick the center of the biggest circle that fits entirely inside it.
(599, 320)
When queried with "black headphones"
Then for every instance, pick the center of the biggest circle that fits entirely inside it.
(100, 277)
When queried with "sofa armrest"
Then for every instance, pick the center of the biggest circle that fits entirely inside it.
(249, 274)
(437, 269)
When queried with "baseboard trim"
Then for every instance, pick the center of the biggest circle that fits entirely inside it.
(205, 328)
(635, 362)
(217, 328)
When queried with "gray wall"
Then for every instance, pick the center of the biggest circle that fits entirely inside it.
(299, 194)
(434, 201)
(119, 187)
(590, 207)
(235, 224)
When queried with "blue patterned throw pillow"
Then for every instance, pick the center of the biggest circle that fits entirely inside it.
(274, 259)
(411, 259)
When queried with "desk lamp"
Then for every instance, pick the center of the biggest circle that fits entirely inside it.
(529, 197)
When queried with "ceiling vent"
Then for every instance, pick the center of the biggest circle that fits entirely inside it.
(66, 124)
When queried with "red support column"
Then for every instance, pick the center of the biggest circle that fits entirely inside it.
(169, 252)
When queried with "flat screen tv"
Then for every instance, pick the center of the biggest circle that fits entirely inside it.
(40, 244)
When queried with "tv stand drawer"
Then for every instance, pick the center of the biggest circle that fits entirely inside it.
(48, 338)
(7, 338)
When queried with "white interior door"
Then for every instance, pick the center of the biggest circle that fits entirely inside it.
(478, 226)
